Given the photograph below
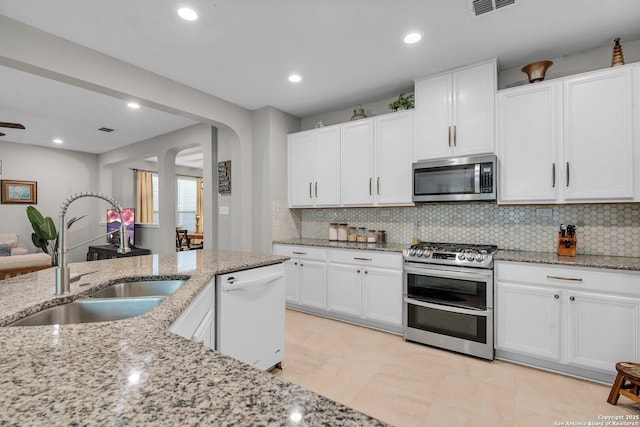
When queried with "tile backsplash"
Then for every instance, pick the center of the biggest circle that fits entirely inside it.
(602, 229)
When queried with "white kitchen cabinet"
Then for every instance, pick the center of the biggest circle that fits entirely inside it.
(454, 112)
(598, 136)
(314, 167)
(305, 275)
(568, 140)
(581, 321)
(528, 141)
(377, 160)
(197, 321)
(527, 320)
(366, 284)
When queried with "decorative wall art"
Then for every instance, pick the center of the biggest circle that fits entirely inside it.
(224, 177)
(19, 192)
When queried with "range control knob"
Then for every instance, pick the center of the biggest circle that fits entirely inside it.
(426, 254)
(480, 258)
(406, 252)
(419, 252)
(412, 252)
(461, 257)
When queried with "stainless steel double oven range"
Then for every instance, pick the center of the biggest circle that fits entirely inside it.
(448, 297)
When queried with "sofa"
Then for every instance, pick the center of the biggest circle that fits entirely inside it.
(15, 260)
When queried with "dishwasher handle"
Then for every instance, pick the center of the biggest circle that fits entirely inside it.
(250, 285)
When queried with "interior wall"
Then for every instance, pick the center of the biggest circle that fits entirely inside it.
(230, 214)
(59, 174)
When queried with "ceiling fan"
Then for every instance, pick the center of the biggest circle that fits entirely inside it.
(11, 126)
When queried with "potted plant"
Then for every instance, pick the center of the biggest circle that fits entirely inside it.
(45, 235)
(404, 102)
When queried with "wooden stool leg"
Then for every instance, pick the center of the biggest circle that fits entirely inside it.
(614, 395)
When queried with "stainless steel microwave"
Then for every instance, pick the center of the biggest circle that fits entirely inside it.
(454, 180)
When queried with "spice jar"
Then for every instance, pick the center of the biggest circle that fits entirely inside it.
(362, 235)
(352, 234)
(342, 232)
(381, 236)
(333, 231)
(371, 236)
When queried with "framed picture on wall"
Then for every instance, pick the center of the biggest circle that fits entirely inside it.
(19, 192)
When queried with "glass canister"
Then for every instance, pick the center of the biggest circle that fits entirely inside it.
(362, 235)
(342, 232)
(381, 236)
(352, 234)
(333, 231)
(371, 236)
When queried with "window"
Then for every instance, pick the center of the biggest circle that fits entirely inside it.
(186, 203)
(156, 208)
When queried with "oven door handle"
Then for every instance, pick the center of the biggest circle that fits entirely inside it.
(481, 313)
(483, 275)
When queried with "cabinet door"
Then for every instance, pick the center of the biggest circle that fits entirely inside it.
(357, 163)
(326, 189)
(312, 283)
(291, 280)
(382, 295)
(528, 140)
(393, 158)
(301, 174)
(598, 137)
(344, 289)
(474, 91)
(527, 320)
(206, 330)
(433, 120)
(602, 330)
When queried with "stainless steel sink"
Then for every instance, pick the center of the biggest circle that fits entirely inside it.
(144, 288)
(90, 310)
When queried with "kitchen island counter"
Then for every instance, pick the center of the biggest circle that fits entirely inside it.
(592, 261)
(135, 371)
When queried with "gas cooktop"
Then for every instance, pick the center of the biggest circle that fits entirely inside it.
(458, 254)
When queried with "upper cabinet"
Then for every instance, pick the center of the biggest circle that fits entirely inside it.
(376, 160)
(568, 140)
(361, 163)
(454, 113)
(314, 167)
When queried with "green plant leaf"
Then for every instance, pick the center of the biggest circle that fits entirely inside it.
(34, 215)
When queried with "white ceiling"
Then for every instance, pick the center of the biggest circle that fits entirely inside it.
(347, 52)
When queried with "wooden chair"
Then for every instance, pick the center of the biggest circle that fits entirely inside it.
(182, 241)
(627, 372)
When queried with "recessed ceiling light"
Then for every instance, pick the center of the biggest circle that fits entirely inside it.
(57, 141)
(133, 105)
(295, 78)
(187, 14)
(412, 38)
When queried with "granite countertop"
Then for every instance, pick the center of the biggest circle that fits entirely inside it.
(593, 261)
(386, 247)
(135, 371)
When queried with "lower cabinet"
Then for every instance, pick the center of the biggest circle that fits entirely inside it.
(358, 286)
(197, 321)
(579, 321)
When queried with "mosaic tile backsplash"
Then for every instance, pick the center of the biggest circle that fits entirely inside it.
(602, 229)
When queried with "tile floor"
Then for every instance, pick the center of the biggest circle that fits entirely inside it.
(407, 384)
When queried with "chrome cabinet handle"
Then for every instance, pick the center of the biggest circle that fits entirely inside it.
(299, 253)
(455, 137)
(553, 175)
(295, 263)
(362, 259)
(316, 189)
(570, 279)
(357, 271)
(366, 272)
(449, 136)
(370, 182)
(572, 298)
(556, 296)
(378, 185)
(301, 265)
(310, 194)
(568, 174)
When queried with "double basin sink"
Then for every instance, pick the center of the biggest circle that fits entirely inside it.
(116, 302)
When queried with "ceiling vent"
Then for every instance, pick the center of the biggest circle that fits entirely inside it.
(480, 7)
(103, 129)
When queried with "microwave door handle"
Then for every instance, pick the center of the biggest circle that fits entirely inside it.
(477, 178)
(481, 313)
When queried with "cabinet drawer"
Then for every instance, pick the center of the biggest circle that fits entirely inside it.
(308, 252)
(189, 320)
(373, 258)
(561, 276)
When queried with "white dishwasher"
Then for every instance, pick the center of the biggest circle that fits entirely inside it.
(250, 315)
